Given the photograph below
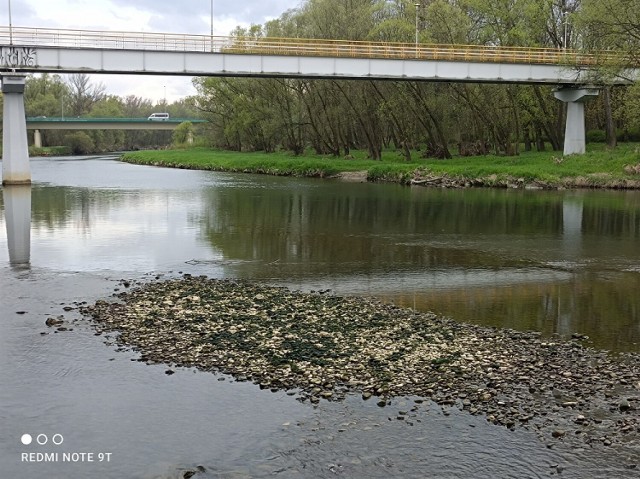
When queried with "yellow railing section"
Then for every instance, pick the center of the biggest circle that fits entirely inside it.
(24, 36)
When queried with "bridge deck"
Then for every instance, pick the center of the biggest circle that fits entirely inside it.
(298, 47)
(71, 51)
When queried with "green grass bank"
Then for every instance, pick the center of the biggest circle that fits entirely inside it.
(598, 168)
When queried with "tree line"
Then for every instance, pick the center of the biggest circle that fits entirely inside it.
(438, 119)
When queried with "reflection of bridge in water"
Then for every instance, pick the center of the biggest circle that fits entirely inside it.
(24, 50)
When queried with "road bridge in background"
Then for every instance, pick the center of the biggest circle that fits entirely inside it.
(82, 123)
(33, 50)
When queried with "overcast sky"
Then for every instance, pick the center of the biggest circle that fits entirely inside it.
(170, 16)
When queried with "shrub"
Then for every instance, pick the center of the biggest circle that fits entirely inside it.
(183, 133)
(596, 136)
(80, 143)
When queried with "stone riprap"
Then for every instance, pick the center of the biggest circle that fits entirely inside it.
(322, 346)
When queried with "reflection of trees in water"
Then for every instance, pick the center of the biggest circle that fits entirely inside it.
(56, 207)
(350, 230)
(604, 221)
(371, 226)
(608, 311)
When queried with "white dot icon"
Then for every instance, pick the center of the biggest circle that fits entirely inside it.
(26, 439)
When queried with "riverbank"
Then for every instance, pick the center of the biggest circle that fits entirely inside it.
(598, 168)
(319, 346)
(49, 151)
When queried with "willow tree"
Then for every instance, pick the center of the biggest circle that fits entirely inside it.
(615, 25)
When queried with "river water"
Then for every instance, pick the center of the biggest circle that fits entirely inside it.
(557, 262)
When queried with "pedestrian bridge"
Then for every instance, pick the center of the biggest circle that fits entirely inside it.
(32, 50)
(81, 51)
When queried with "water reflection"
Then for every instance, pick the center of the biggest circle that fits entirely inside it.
(524, 260)
(557, 262)
(17, 211)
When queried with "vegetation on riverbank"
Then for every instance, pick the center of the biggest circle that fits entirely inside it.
(49, 151)
(600, 167)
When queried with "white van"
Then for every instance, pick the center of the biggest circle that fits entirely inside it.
(158, 117)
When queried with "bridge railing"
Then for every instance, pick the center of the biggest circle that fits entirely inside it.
(43, 37)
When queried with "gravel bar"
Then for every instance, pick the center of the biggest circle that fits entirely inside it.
(320, 346)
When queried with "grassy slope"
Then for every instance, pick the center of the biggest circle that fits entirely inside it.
(599, 167)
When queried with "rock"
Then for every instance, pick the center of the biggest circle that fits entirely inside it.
(557, 433)
(624, 405)
(53, 322)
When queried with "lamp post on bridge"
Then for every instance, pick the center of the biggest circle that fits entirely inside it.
(417, 5)
(10, 26)
(211, 25)
(565, 36)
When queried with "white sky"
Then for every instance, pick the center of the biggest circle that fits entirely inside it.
(170, 16)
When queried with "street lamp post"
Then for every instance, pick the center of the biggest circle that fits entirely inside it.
(564, 41)
(211, 25)
(10, 26)
(417, 5)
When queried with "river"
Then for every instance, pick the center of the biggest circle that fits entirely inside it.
(560, 262)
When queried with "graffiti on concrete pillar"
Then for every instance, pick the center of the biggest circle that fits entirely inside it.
(15, 57)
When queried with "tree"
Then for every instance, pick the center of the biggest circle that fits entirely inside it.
(613, 25)
(183, 133)
(82, 94)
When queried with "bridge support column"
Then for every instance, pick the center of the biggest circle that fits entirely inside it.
(37, 139)
(15, 149)
(574, 132)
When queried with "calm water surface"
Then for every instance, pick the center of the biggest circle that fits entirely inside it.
(557, 262)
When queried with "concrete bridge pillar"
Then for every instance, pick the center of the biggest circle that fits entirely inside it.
(574, 132)
(15, 149)
(37, 139)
